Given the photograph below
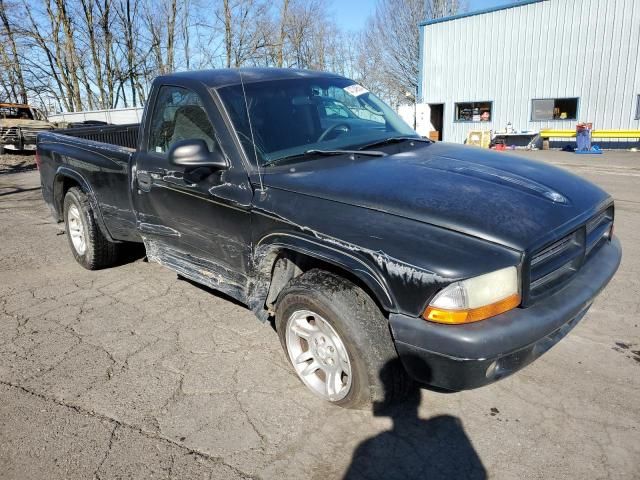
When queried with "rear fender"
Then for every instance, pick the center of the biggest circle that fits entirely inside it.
(58, 197)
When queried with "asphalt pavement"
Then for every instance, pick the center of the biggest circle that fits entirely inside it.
(131, 372)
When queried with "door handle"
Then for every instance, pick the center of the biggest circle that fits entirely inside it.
(178, 179)
(144, 181)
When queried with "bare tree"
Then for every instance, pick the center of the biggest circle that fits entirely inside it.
(171, 11)
(10, 59)
(185, 33)
(247, 31)
(127, 12)
(284, 17)
(104, 53)
(389, 46)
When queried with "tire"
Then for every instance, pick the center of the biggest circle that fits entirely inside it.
(1, 149)
(89, 246)
(305, 307)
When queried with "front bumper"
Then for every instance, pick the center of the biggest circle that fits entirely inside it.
(460, 357)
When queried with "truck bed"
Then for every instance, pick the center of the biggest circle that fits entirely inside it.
(121, 135)
(97, 159)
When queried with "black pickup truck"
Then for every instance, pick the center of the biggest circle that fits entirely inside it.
(305, 197)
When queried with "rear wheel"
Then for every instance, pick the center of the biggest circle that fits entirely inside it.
(338, 341)
(89, 246)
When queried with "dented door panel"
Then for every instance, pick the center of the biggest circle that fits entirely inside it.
(403, 261)
(196, 221)
(105, 173)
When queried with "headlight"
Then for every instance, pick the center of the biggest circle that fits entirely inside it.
(476, 298)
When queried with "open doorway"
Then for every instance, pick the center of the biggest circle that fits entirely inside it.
(437, 119)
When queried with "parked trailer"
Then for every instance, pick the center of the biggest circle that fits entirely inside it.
(117, 116)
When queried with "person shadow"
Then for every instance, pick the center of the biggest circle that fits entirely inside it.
(437, 448)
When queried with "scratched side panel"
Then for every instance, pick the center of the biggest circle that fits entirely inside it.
(199, 269)
(105, 167)
(409, 259)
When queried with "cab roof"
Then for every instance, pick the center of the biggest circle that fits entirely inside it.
(231, 76)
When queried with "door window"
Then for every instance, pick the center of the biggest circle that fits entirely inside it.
(178, 115)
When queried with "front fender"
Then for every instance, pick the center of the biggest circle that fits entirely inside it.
(403, 262)
(337, 255)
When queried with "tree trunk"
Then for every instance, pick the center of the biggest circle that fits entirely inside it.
(16, 66)
(284, 14)
(228, 39)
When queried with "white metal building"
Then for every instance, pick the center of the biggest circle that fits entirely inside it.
(535, 64)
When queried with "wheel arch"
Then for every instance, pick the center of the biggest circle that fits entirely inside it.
(65, 179)
(286, 257)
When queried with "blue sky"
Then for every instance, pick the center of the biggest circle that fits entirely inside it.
(352, 14)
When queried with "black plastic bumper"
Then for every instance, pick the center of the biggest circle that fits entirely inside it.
(460, 357)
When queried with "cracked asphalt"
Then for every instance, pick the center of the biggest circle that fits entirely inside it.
(131, 372)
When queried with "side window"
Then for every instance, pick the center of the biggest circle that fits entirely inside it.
(178, 115)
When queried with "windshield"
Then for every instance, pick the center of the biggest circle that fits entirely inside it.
(290, 117)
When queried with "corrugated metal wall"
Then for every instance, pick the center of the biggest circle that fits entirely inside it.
(549, 49)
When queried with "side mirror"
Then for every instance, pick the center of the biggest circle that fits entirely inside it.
(194, 153)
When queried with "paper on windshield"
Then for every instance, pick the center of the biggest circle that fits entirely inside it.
(355, 90)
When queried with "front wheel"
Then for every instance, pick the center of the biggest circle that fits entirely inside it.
(338, 341)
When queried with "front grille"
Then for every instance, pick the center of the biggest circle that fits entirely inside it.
(551, 267)
(21, 135)
(8, 135)
(598, 230)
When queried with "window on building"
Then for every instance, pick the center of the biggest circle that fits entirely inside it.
(638, 107)
(473, 112)
(554, 109)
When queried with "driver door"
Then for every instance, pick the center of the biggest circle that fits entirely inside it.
(195, 222)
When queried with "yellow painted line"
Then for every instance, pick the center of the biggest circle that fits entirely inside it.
(594, 133)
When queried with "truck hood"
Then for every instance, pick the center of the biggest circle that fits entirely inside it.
(498, 197)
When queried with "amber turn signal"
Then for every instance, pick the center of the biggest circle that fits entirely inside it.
(452, 317)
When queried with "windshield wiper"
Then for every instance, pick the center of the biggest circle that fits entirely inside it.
(324, 153)
(388, 141)
(369, 153)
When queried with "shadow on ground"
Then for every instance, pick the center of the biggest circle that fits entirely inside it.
(11, 190)
(16, 162)
(211, 291)
(129, 253)
(437, 448)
